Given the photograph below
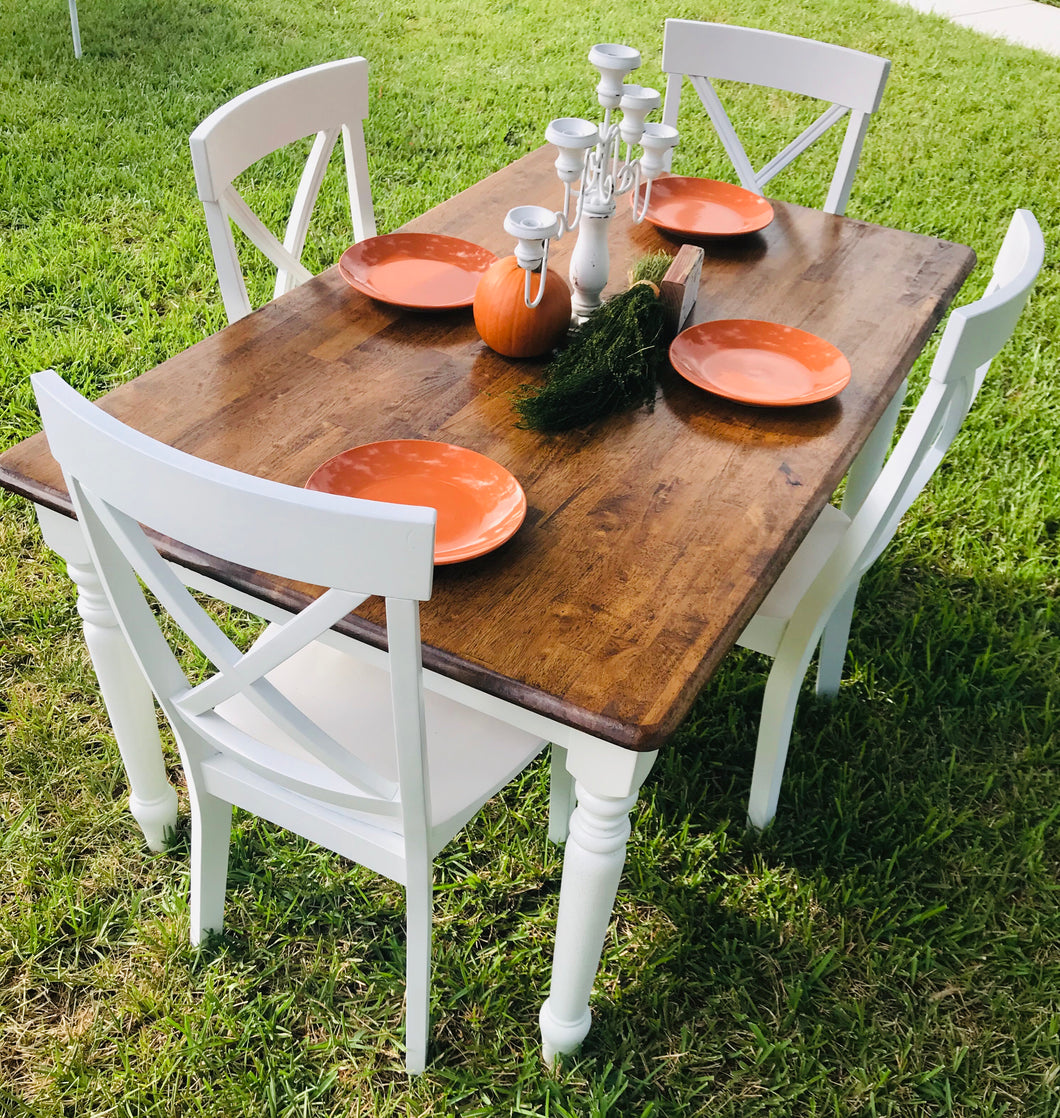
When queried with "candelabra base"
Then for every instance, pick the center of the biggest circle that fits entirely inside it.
(591, 261)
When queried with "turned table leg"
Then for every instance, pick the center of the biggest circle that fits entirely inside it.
(129, 703)
(608, 780)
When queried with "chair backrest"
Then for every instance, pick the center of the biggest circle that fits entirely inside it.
(323, 100)
(973, 336)
(122, 481)
(851, 80)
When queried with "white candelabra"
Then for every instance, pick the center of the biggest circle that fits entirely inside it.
(590, 155)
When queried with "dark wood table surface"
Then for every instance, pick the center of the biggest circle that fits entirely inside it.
(650, 538)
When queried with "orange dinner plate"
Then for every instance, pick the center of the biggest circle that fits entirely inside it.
(479, 503)
(706, 208)
(760, 363)
(421, 271)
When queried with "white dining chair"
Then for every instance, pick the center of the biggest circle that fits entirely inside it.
(348, 751)
(850, 80)
(322, 100)
(75, 28)
(839, 549)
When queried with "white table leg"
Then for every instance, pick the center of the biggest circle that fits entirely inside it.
(129, 703)
(608, 780)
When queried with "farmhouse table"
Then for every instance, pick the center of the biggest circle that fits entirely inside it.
(650, 538)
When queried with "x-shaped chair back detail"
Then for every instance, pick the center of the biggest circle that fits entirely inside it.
(323, 100)
(302, 729)
(120, 480)
(851, 80)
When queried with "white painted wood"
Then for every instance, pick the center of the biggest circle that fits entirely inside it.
(419, 891)
(347, 753)
(327, 100)
(862, 475)
(131, 708)
(561, 796)
(592, 867)
(152, 800)
(851, 80)
(75, 29)
(211, 832)
(822, 576)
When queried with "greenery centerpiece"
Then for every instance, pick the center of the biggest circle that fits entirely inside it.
(611, 362)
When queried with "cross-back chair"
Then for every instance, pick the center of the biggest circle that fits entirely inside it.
(324, 100)
(850, 80)
(826, 568)
(349, 752)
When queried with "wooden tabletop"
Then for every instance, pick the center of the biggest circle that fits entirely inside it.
(651, 538)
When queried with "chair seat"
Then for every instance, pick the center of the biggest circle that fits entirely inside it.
(766, 628)
(470, 755)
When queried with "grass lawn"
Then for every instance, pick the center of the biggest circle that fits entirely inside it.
(890, 946)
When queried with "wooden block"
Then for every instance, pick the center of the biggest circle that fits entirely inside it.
(680, 285)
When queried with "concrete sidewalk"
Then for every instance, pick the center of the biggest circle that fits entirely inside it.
(1020, 21)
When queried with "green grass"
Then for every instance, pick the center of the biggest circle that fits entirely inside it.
(890, 946)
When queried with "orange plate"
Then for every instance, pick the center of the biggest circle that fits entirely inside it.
(421, 271)
(759, 362)
(479, 503)
(706, 208)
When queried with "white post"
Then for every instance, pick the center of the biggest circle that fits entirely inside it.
(592, 867)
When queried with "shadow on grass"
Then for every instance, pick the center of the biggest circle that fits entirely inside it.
(785, 964)
(927, 786)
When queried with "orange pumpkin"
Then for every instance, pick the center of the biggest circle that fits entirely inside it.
(507, 324)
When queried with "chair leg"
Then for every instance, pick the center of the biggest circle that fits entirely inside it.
(774, 737)
(418, 920)
(211, 832)
(834, 645)
(561, 795)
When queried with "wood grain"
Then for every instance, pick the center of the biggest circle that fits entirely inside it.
(679, 288)
(650, 538)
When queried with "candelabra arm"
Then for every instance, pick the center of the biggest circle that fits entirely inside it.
(612, 151)
(605, 135)
(566, 226)
(639, 212)
(533, 227)
(592, 156)
(542, 273)
(628, 176)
